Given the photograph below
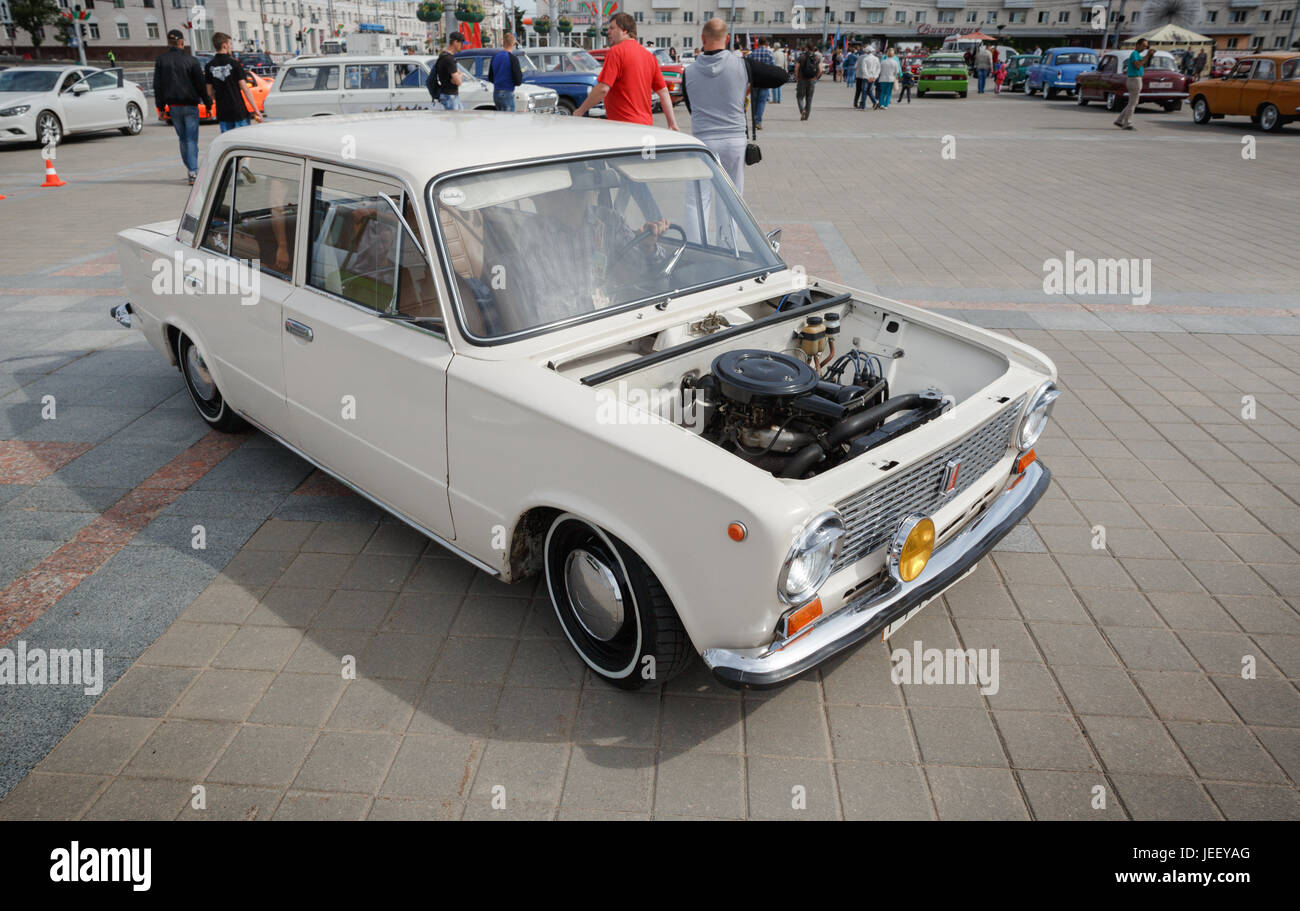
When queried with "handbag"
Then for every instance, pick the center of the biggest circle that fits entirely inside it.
(753, 154)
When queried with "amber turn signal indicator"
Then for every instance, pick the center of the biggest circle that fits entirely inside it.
(1026, 459)
(736, 531)
(798, 619)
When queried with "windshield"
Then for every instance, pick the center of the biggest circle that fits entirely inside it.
(28, 80)
(537, 246)
(1062, 59)
(585, 62)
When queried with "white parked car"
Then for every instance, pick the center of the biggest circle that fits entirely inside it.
(552, 353)
(354, 84)
(45, 103)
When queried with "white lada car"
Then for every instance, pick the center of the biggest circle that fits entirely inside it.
(565, 347)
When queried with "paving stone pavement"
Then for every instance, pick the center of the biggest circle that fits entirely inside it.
(1161, 563)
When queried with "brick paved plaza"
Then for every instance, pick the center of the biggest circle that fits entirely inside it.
(1121, 666)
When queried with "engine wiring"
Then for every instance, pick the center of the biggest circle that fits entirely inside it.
(865, 366)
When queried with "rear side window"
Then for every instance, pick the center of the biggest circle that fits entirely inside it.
(408, 75)
(310, 79)
(254, 215)
(366, 76)
(1264, 70)
(360, 250)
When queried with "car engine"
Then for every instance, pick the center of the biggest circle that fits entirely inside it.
(802, 411)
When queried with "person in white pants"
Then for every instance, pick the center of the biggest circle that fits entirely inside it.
(1133, 69)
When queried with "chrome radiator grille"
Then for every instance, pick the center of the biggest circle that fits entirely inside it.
(871, 516)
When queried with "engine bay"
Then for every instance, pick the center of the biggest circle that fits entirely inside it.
(795, 385)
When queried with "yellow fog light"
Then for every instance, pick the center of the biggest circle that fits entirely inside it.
(911, 548)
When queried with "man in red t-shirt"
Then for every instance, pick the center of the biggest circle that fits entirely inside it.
(630, 75)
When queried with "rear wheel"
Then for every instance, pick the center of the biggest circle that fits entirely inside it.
(611, 606)
(134, 120)
(961, 94)
(1173, 106)
(1201, 110)
(1112, 102)
(1270, 118)
(203, 390)
(1049, 93)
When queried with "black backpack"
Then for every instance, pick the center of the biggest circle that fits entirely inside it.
(809, 67)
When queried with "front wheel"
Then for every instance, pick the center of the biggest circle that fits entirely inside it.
(565, 108)
(1079, 99)
(1049, 94)
(134, 120)
(1201, 110)
(49, 131)
(612, 608)
(1270, 119)
(961, 94)
(205, 395)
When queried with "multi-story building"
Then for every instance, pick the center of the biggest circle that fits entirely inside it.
(1235, 24)
(137, 29)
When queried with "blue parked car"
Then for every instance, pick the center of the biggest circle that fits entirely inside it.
(1057, 68)
(571, 77)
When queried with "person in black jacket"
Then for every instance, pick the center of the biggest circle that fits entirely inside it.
(178, 89)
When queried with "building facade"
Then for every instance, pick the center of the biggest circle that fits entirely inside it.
(137, 29)
(1024, 24)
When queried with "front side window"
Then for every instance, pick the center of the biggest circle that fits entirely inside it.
(1242, 69)
(361, 251)
(101, 82)
(537, 246)
(254, 215)
(1264, 70)
(409, 75)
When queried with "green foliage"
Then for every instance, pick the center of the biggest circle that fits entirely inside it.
(32, 15)
(430, 11)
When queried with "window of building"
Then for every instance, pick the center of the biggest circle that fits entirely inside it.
(920, 16)
(778, 16)
(900, 15)
(663, 16)
(1237, 15)
(148, 4)
(1232, 43)
(123, 30)
(639, 16)
(1018, 17)
(875, 16)
(94, 29)
(1286, 15)
(1042, 17)
(947, 15)
(758, 17)
(688, 42)
(243, 31)
(688, 16)
(151, 28)
(972, 16)
(991, 18)
(1063, 16)
(119, 4)
(1279, 41)
(1211, 15)
(1263, 15)
(850, 16)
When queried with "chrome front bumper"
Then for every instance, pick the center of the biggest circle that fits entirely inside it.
(762, 667)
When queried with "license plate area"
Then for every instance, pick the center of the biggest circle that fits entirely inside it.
(898, 624)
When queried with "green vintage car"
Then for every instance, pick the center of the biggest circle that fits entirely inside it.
(943, 73)
(1017, 70)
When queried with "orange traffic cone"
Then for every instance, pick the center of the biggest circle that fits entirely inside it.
(52, 179)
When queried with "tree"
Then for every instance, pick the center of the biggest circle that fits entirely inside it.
(33, 15)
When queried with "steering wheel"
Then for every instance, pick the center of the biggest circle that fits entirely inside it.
(647, 232)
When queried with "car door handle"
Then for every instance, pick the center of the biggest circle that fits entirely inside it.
(302, 331)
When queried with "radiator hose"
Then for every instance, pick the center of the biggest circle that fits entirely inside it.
(854, 425)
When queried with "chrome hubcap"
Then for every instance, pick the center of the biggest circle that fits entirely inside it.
(594, 594)
(48, 129)
(133, 118)
(1267, 119)
(199, 375)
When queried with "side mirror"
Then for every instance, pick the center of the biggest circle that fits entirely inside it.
(80, 88)
(773, 238)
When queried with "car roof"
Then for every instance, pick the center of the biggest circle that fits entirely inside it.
(463, 139)
(559, 49)
(55, 67)
(1071, 50)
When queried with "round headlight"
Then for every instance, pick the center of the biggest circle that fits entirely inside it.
(911, 548)
(808, 565)
(1034, 422)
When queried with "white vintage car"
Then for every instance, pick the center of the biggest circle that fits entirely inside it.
(356, 84)
(45, 103)
(565, 347)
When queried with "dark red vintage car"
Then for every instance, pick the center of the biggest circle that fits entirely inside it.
(673, 72)
(1161, 83)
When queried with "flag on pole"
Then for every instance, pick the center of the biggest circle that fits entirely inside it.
(837, 37)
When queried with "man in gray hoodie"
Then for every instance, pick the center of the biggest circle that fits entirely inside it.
(714, 88)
